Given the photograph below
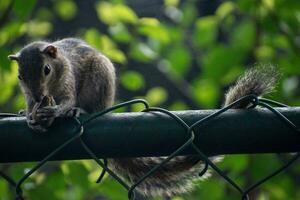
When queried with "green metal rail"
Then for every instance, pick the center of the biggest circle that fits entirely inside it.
(153, 134)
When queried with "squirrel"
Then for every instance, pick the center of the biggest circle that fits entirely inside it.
(77, 78)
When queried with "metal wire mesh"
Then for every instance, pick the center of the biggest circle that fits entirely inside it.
(79, 132)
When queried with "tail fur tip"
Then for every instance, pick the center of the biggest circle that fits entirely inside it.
(258, 80)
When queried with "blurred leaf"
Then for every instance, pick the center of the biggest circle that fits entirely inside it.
(290, 86)
(206, 93)
(178, 105)
(281, 42)
(263, 196)
(122, 109)
(93, 37)
(235, 163)
(109, 188)
(281, 188)
(19, 103)
(225, 9)
(177, 198)
(77, 174)
(10, 80)
(120, 33)
(152, 28)
(269, 4)
(156, 96)
(142, 52)
(66, 9)
(175, 36)
(206, 31)
(105, 45)
(44, 14)
(18, 171)
(4, 190)
(262, 165)
(112, 14)
(4, 4)
(247, 6)
(243, 36)
(46, 190)
(172, 2)
(173, 13)
(220, 60)
(264, 53)
(5, 62)
(23, 9)
(289, 63)
(132, 80)
(232, 75)
(180, 59)
(38, 28)
(10, 32)
(189, 11)
(212, 190)
(109, 48)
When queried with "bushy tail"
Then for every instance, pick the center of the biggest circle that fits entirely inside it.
(173, 178)
(258, 81)
(176, 176)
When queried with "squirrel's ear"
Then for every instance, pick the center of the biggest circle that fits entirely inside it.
(51, 51)
(13, 57)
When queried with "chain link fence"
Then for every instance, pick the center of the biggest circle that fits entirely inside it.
(81, 125)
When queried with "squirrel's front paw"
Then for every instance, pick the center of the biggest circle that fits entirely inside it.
(35, 126)
(45, 116)
(46, 113)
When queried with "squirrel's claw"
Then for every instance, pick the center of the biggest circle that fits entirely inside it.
(32, 124)
(31, 121)
(48, 112)
(42, 116)
(74, 112)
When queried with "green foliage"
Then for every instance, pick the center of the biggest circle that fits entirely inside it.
(142, 52)
(105, 44)
(156, 96)
(132, 80)
(206, 31)
(66, 9)
(23, 11)
(206, 92)
(112, 14)
(153, 29)
(180, 59)
(199, 55)
(38, 28)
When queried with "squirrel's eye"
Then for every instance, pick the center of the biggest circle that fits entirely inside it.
(20, 77)
(47, 69)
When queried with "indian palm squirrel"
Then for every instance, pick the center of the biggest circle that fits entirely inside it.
(67, 77)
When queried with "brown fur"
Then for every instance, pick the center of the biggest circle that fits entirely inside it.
(80, 77)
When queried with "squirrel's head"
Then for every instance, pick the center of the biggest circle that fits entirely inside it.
(39, 65)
